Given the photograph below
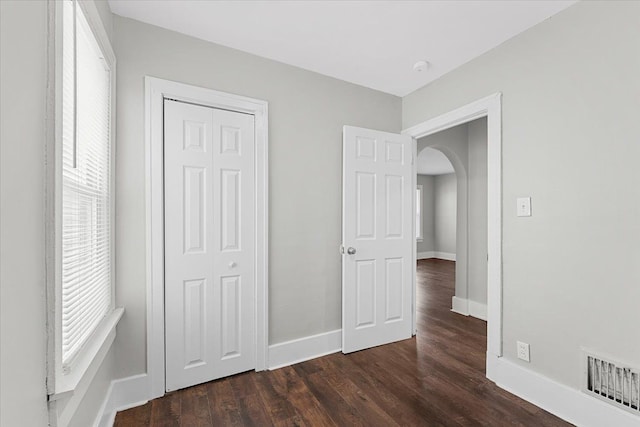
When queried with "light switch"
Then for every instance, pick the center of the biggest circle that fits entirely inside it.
(524, 206)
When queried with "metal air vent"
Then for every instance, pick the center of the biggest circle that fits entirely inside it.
(612, 382)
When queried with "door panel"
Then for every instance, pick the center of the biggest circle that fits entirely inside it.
(394, 268)
(209, 243)
(365, 293)
(377, 222)
(194, 322)
(229, 200)
(366, 212)
(393, 208)
(231, 309)
(194, 201)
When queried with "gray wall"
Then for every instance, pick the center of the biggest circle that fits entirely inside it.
(22, 132)
(438, 213)
(445, 213)
(106, 16)
(571, 102)
(477, 217)
(428, 220)
(86, 412)
(306, 115)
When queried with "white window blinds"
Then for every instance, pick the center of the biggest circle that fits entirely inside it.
(86, 184)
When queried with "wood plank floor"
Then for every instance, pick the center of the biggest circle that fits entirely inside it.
(434, 379)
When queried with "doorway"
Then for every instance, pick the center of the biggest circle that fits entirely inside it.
(192, 138)
(452, 164)
(489, 107)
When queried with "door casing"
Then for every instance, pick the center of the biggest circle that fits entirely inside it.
(156, 91)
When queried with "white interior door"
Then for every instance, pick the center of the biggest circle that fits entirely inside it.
(377, 235)
(209, 243)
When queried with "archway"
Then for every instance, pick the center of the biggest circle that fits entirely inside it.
(456, 153)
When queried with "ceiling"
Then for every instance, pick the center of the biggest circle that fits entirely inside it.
(370, 43)
(433, 162)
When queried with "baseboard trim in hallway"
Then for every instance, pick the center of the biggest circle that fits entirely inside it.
(435, 254)
(468, 307)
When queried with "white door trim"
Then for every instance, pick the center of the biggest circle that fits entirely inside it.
(491, 108)
(156, 90)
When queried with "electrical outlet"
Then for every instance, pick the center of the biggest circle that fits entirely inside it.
(523, 351)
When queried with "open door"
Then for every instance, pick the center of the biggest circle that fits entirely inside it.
(377, 238)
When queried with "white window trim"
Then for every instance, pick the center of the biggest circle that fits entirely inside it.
(60, 384)
(420, 235)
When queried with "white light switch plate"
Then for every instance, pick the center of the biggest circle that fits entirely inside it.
(524, 206)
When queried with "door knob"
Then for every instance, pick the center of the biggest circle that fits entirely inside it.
(232, 264)
(351, 250)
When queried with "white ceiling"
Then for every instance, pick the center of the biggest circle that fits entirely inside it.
(433, 162)
(370, 43)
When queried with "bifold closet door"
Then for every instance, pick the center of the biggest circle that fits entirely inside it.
(209, 206)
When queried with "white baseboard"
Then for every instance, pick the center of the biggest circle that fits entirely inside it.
(435, 254)
(469, 308)
(460, 306)
(445, 255)
(123, 394)
(425, 255)
(478, 310)
(296, 351)
(567, 403)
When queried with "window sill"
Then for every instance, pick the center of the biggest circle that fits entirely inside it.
(94, 352)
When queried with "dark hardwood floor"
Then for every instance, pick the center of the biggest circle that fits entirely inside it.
(434, 379)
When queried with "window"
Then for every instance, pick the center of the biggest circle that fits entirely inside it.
(86, 184)
(84, 298)
(419, 235)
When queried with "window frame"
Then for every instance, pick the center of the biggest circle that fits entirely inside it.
(419, 213)
(62, 381)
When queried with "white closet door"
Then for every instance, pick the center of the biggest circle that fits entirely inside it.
(209, 243)
(377, 233)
